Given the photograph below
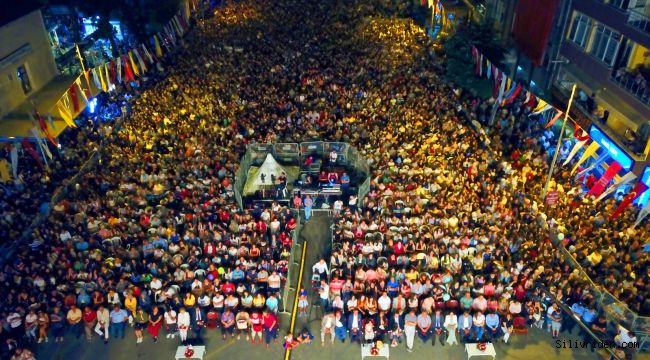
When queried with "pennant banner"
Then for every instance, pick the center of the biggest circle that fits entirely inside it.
(591, 150)
(159, 52)
(134, 67)
(604, 180)
(554, 119)
(642, 214)
(30, 149)
(74, 98)
(639, 189)
(14, 160)
(626, 179)
(574, 151)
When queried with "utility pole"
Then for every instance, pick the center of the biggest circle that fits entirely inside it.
(559, 143)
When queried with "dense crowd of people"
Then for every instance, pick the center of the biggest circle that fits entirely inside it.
(450, 239)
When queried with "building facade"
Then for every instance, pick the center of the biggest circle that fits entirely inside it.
(606, 52)
(26, 61)
(602, 46)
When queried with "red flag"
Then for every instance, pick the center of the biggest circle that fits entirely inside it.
(600, 186)
(514, 95)
(30, 149)
(554, 119)
(639, 188)
(113, 72)
(75, 99)
(128, 72)
(43, 125)
(497, 83)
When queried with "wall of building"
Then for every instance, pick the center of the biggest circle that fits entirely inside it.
(613, 17)
(24, 43)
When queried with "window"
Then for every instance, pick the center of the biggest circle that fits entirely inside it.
(605, 44)
(580, 30)
(623, 4)
(24, 79)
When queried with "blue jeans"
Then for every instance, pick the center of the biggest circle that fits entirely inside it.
(357, 336)
(325, 304)
(117, 329)
(478, 330)
(270, 335)
(340, 333)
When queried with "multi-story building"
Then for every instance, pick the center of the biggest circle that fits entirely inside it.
(605, 51)
(602, 46)
(26, 61)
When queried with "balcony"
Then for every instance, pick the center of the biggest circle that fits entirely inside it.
(639, 19)
(634, 82)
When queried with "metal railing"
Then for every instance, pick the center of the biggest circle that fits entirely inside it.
(616, 312)
(296, 248)
(639, 20)
(633, 85)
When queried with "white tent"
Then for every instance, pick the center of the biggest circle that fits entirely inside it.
(268, 168)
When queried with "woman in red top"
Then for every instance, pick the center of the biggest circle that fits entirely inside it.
(257, 326)
(155, 322)
(270, 327)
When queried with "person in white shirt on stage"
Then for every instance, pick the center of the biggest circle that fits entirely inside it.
(170, 322)
(451, 324)
(321, 269)
(183, 322)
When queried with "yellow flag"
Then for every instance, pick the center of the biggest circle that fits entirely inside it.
(540, 105)
(159, 52)
(133, 66)
(100, 70)
(4, 171)
(591, 149)
(65, 114)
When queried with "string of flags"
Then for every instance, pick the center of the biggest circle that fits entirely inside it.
(505, 91)
(103, 78)
(122, 69)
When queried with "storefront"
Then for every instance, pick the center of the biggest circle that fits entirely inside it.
(609, 147)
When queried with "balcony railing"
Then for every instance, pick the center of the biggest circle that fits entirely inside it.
(639, 20)
(635, 84)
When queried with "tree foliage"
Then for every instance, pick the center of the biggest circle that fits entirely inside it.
(141, 17)
(460, 63)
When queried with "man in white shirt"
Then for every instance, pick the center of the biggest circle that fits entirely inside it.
(333, 156)
(384, 302)
(478, 323)
(170, 322)
(183, 322)
(327, 327)
(103, 321)
(324, 294)
(321, 269)
(338, 206)
(465, 326)
(410, 323)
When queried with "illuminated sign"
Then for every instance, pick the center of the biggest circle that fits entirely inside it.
(615, 152)
(643, 199)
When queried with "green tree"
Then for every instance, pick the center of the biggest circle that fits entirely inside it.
(459, 61)
(141, 17)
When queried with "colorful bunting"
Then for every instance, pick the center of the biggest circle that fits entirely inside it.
(601, 184)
